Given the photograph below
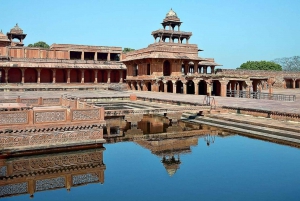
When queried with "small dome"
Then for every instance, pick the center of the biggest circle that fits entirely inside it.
(16, 29)
(171, 13)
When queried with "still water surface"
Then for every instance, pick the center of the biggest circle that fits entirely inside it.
(231, 168)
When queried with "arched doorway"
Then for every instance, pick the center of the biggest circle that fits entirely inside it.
(190, 87)
(60, 76)
(46, 76)
(30, 75)
(169, 87)
(202, 87)
(216, 88)
(75, 76)
(167, 68)
(149, 86)
(179, 87)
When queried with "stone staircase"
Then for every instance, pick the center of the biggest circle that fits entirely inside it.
(255, 128)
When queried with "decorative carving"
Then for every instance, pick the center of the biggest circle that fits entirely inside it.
(30, 101)
(85, 178)
(49, 116)
(90, 114)
(3, 171)
(13, 118)
(48, 184)
(12, 189)
(51, 101)
(8, 100)
(42, 139)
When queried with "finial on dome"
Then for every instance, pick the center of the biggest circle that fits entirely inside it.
(171, 13)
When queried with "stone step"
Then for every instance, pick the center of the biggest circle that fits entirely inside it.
(249, 127)
(247, 131)
(240, 119)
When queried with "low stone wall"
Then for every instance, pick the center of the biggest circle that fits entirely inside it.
(33, 101)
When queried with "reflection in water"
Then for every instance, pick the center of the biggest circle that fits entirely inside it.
(209, 139)
(30, 174)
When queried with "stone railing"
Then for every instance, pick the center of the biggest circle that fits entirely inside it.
(68, 61)
(33, 101)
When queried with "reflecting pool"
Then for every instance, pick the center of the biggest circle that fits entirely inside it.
(189, 168)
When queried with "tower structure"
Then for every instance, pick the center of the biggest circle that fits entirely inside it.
(171, 64)
(16, 32)
(171, 22)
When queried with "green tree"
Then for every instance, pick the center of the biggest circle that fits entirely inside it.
(41, 44)
(289, 63)
(127, 49)
(260, 65)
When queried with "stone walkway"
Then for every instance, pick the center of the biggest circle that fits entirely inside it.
(280, 106)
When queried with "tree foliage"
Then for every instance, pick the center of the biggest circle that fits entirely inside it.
(41, 44)
(260, 65)
(289, 63)
(127, 49)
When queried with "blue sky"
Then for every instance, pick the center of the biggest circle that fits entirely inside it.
(231, 31)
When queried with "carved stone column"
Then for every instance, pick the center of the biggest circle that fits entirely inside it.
(186, 68)
(121, 76)
(96, 56)
(82, 76)
(39, 75)
(53, 76)
(108, 76)
(96, 76)
(6, 75)
(174, 87)
(208, 87)
(68, 74)
(196, 84)
(204, 69)
(196, 66)
(165, 86)
(212, 69)
(23, 75)
(82, 55)
(223, 87)
(138, 85)
(184, 85)
(108, 56)
(294, 83)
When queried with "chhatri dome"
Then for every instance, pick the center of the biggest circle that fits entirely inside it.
(171, 13)
(16, 29)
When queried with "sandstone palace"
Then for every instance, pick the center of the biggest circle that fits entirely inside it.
(170, 65)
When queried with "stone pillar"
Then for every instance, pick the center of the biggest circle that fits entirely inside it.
(195, 67)
(238, 89)
(23, 75)
(212, 69)
(82, 76)
(96, 76)
(208, 87)
(223, 87)
(165, 87)
(68, 74)
(174, 87)
(184, 87)
(121, 76)
(6, 75)
(249, 88)
(108, 76)
(108, 56)
(187, 40)
(294, 83)
(186, 68)
(204, 69)
(39, 76)
(196, 84)
(138, 86)
(53, 76)
(82, 55)
(96, 56)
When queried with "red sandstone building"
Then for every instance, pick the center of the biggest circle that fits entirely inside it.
(62, 63)
(170, 65)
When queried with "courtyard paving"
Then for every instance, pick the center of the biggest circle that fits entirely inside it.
(280, 106)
